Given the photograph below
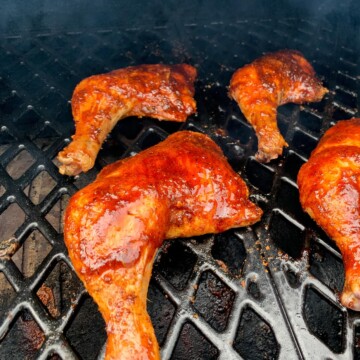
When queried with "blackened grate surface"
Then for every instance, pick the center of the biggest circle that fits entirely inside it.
(267, 292)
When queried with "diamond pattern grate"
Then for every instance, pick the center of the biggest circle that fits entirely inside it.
(269, 292)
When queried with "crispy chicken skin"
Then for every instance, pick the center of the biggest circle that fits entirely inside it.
(181, 187)
(329, 186)
(268, 82)
(160, 91)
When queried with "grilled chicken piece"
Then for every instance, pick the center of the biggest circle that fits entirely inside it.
(270, 81)
(181, 187)
(164, 92)
(329, 185)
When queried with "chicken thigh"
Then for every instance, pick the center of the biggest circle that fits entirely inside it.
(182, 187)
(329, 186)
(268, 82)
(160, 91)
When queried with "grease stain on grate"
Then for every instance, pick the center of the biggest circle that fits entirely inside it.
(45, 138)
(60, 289)
(310, 121)
(214, 300)
(86, 178)
(357, 342)
(40, 187)
(169, 126)
(55, 215)
(341, 114)
(293, 278)
(253, 288)
(283, 125)
(230, 252)
(293, 163)
(111, 150)
(324, 319)
(150, 138)
(216, 109)
(20, 164)
(286, 234)
(32, 253)
(86, 332)
(239, 131)
(7, 295)
(287, 110)
(11, 219)
(161, 311)
(345, 99)
(176, 264)
(254, 338)
(192, 344)
(287, 199)
(24, 338)
(304, 142)
(261, 176)
(327, 267)
(46, 296)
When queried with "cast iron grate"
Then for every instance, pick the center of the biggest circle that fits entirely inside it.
(263, 293)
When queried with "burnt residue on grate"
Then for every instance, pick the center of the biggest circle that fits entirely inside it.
(267, 292)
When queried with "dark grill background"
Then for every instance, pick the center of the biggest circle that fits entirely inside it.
(262, 293)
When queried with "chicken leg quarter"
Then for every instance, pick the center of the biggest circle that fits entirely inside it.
(329, 186)
(181, 187)
(160, 91)
(272, 80)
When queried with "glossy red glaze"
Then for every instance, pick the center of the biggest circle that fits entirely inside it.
(329, 186)
(181, 187)
(268, 82)
(160, 91)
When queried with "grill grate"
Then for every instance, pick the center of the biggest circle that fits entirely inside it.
(262, 293)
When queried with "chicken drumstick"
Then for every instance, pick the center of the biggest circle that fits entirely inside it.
(268, 82)
(329, 186)
(160, 91)
(181, 187)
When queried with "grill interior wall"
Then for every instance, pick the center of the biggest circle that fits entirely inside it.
(265, 292)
